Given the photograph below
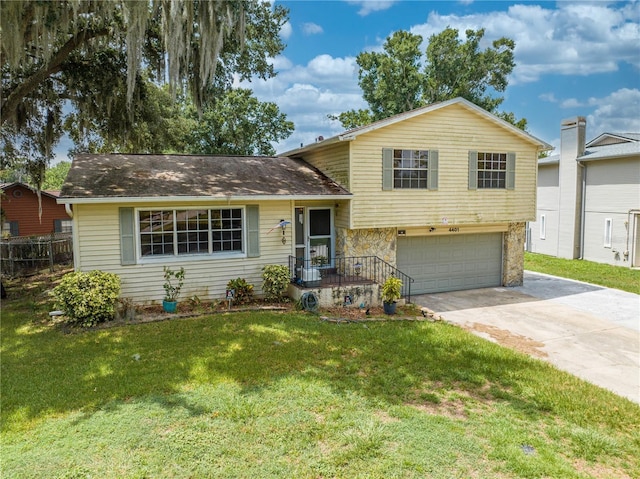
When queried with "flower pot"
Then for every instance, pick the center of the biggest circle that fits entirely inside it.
(169, 306)
(389, 308)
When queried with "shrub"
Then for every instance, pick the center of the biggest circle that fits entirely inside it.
(87, 298)
(243, 290)
(276, 279)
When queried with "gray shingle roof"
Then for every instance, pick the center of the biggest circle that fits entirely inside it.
(611, 151)
(603, 152)
(157, 176)
(549, 160)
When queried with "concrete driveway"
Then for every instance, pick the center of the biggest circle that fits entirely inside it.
(587, 330)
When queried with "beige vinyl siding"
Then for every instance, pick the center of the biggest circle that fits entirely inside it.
(453, 131)
(98, 231)
(340, 210)
(333, 161)
(206, 277)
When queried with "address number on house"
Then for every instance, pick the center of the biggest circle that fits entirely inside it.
(454, 230)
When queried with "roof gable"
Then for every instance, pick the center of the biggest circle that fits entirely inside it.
(613, 138)
(46, 193)
(354, 133)
(113, 176)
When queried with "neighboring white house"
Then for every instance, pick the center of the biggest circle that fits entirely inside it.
(589, 198)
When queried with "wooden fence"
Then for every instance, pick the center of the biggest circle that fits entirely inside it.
(23, 255)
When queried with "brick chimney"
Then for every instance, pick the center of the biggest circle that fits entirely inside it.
(572, 146)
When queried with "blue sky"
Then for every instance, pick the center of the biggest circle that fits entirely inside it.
(572, 58)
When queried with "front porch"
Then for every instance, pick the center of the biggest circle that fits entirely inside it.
(344, 281)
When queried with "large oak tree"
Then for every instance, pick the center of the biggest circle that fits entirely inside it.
(95, 61)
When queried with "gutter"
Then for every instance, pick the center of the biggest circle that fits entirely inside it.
(597, 156)
(197, 199)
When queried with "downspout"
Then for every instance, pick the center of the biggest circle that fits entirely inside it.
(630, 254)
(74, 235)
(582, 207)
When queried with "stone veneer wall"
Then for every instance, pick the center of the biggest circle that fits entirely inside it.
(367, 242)
(513, 255)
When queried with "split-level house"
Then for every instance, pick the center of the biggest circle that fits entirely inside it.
(440, 194)
(589, 198)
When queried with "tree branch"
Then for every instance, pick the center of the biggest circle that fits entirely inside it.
(54, 65)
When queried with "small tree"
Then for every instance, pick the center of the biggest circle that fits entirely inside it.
(173, 281)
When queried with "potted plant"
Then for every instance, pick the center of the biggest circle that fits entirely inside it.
(173, 281)
(391, 291)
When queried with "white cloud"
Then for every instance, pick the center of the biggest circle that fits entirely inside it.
(369, 6)
(286, 30)
(582, 38)
(571, 103)
(548, 97)
(311, 28)
(282, 63)
(323, 71)
(326, 65)
(308, 93)
(618, 112)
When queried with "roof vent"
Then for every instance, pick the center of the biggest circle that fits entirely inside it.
(320, 138)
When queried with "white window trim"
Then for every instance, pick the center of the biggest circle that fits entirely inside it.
(399, 169)
(177, 258)
(543, 226)
(608, 232)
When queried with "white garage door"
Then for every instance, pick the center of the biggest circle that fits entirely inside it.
(450, 263)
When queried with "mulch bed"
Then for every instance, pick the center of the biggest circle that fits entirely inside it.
(338, 314)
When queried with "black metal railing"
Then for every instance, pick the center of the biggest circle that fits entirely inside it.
(346, 270)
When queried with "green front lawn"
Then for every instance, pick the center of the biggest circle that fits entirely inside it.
(288, 395)
(617, 277)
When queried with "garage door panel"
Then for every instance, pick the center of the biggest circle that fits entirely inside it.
(444, 269)
(455, 283)
(449, 263)
(457, 268)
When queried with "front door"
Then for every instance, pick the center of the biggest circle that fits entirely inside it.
(314, 235)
